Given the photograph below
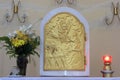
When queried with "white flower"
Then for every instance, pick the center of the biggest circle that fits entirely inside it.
(25, 28)
(10, 35)
(22, 28)
(29, 27)
(14, 32)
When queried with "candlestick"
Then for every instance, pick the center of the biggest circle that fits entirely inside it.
(107, 71)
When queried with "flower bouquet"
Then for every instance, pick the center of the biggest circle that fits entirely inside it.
(21, 44)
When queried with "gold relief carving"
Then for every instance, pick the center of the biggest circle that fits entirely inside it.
(64, 46)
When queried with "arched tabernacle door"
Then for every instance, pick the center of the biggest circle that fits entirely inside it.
(64, 49)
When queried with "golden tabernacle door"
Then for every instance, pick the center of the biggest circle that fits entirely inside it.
(64, 44)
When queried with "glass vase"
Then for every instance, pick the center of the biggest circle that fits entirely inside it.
(22, 62)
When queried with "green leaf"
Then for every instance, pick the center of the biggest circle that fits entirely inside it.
(36, 53)
(6, 39)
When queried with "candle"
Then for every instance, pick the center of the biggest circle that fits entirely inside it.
(107, 71)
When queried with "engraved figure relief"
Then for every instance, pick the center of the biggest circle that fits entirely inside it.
(64, 43)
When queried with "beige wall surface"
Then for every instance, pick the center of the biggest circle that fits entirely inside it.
(104, 39)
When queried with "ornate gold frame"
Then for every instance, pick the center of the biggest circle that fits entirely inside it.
(64, 72)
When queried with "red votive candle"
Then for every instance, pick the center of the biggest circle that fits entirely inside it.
(107, 59)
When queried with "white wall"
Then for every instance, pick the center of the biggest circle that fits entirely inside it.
(103, 39)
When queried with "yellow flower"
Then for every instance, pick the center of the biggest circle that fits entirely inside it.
(22, 36)
(16, 42)
(25, 38)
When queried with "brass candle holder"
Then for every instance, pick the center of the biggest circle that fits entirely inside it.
(107, 71)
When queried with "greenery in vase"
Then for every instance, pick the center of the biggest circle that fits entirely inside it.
(22, 42)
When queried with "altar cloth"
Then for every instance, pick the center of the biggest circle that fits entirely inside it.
(59, 78)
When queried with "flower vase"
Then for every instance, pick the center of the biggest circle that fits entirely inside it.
(22, 62)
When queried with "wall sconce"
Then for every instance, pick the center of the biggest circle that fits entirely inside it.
(15, 9)
(115, 13)
(68, 1)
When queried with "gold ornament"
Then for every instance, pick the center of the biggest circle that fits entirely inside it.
(64, 43)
